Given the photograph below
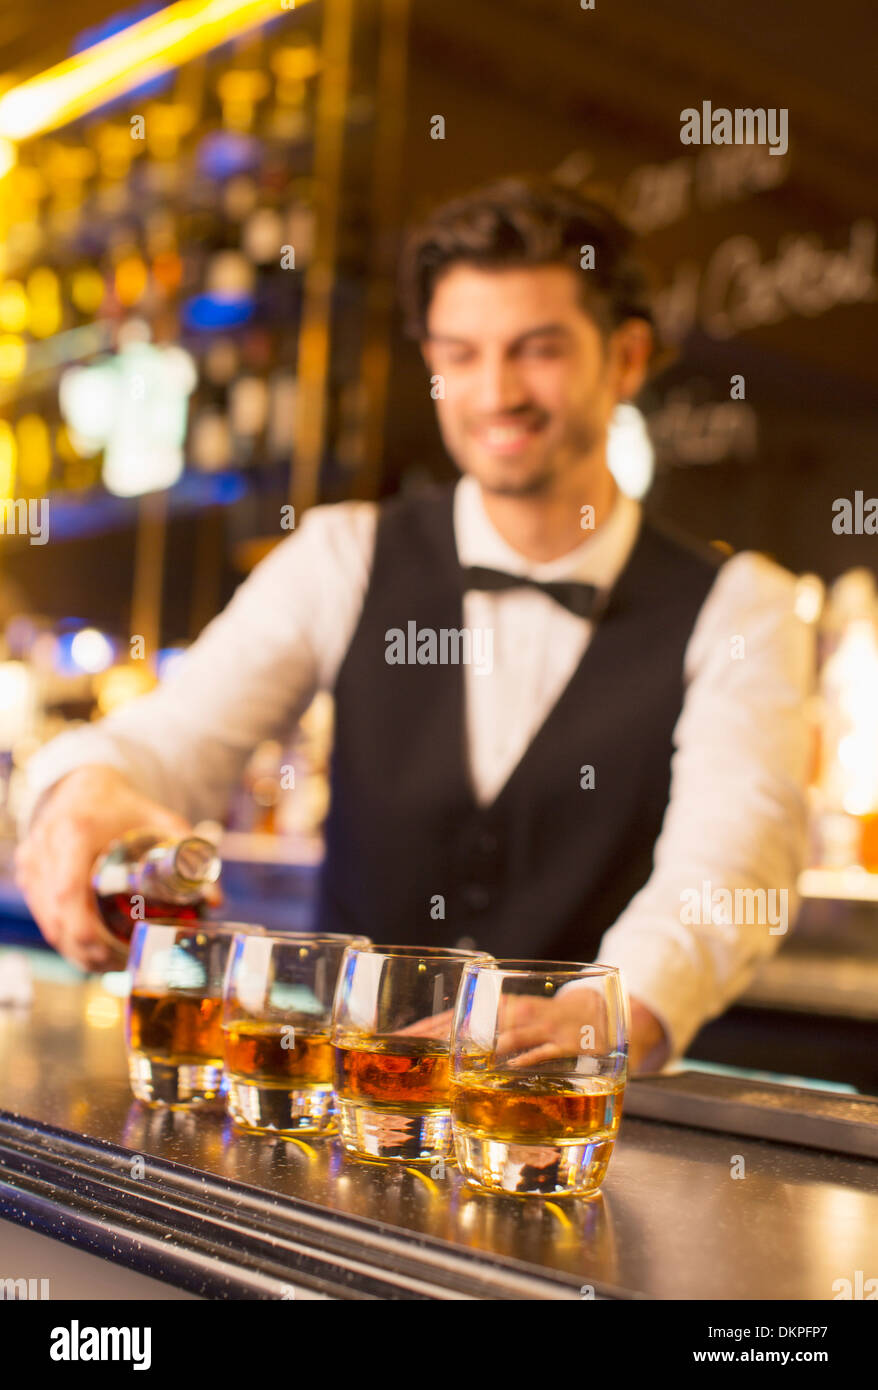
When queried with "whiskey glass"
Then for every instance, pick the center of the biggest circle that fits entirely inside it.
(277, 1010)
(391, 1031)
(174, 1015)
(539, 1068)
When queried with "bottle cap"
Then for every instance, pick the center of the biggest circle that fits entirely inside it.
(196, 861)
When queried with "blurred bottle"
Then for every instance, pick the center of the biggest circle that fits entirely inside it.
(143, 876)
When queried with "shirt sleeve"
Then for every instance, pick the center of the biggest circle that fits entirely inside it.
(722, 893)
(249, 676)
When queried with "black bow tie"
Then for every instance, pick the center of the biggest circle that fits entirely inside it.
(579, 598)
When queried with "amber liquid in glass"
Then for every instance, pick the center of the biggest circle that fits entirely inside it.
(396, 1072)
(536, 1109)
(175, 1027)
(280, 1076)
(392, 1097)
(276, 1053)
(535, 1134)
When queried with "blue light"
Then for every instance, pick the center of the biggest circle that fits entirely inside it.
(223, 153)
(83, 650)
(116, 24)
(92, 651)
(87, 38)
(166, 659)
(229, 488)
(64, 662)
(94, 513)
(208, 489)
(207, 311)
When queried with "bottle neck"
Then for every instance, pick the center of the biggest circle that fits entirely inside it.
(178, 872)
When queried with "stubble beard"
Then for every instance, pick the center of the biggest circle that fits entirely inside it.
(536, 486)
(544, 481)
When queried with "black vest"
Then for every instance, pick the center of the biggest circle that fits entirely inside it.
(549, 865)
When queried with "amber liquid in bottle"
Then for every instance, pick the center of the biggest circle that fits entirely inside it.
(143, 877)
(118, 913)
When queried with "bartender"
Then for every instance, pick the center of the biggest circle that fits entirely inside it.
(561, 728)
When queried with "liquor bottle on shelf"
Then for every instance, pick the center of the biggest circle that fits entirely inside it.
(144, 876)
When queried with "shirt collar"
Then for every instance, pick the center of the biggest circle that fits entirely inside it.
(599, 559)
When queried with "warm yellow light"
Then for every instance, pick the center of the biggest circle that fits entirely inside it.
(42, 283)
(137, 55)
(123, 683)
(809, 597)
(103, 1011)
(27, 186)
(296, 63)
(131, 280)
(239, 91)
(87, 290)
(45, 305)
(7, 157)
(850, 680)
(13, 307)
(8, 460)
(34, 453)
(238, 85)
(166, 124)
(13, 356)
(16, 702)
(45, 319)
(115, 149)
(80, 474)
(167, 269)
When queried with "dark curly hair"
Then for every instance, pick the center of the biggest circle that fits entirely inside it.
(526, 221)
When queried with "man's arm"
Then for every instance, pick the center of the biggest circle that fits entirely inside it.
(175, 755)
(723, 888)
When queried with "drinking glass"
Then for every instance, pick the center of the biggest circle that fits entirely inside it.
(391, 1031)
(173, 1022)
(277, 1010)
(539, 1067)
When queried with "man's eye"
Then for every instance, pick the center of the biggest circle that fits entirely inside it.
(543, 350)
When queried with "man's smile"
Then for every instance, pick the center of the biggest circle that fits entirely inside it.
(508, 437)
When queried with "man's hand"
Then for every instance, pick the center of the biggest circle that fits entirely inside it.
(649, 1046)
(76, 821)
(539, 1029)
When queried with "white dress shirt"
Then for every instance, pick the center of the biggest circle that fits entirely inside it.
(736, 816)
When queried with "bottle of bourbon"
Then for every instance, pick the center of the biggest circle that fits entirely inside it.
(143, 876)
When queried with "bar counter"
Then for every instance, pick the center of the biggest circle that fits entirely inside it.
(695, 1206)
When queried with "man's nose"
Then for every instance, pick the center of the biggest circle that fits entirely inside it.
(499, 386)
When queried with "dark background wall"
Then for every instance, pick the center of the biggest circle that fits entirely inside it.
(542, 85)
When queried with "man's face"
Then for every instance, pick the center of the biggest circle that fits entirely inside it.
(530, 385)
